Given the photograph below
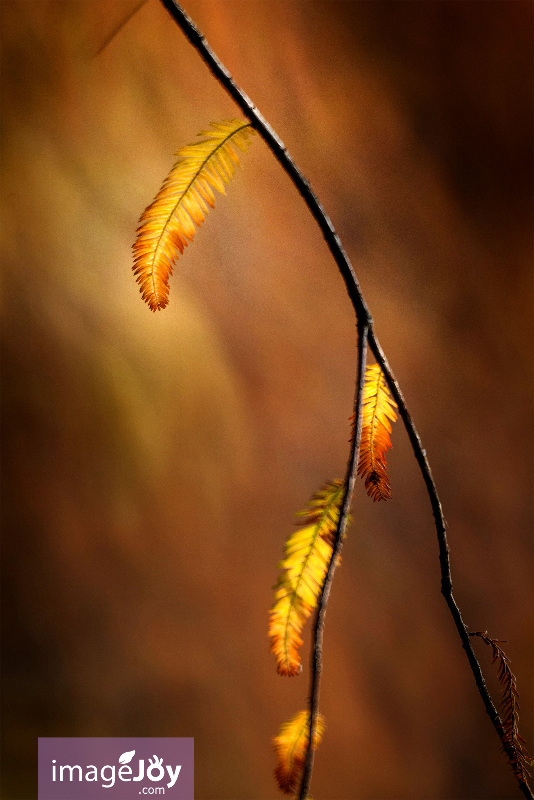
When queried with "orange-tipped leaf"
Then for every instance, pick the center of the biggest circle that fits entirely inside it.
(290, 747)
(378, 412)
(168, 223)
(306, 558)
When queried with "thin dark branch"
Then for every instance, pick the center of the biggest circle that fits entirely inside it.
(279, 151)
(350, 478)
(446, 578)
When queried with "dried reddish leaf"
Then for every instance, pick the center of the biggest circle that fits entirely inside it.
(307, 556)
(290, 747)
(378, 412)
(166, 226)
(513, 743)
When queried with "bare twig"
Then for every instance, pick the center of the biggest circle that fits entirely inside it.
(350, 478)
(365, 321)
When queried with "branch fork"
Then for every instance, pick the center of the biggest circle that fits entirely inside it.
(366, 340)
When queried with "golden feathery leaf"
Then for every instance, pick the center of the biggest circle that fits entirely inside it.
(378, 412)
(166, 226)
(306, 558)
(290, 747)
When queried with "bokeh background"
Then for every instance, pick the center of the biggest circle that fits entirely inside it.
(152, 463)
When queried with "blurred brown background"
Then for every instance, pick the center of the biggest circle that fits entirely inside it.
(153, 463)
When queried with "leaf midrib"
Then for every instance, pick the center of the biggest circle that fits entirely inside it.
(188, 187)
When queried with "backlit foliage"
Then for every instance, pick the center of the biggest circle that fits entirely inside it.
(378, 412)
(290, 748)
(168, 223)
(307, 556)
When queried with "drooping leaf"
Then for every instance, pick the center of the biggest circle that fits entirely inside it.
(290, 748)
(307, 556)
(378, 412)
(513, 743)
(168, 224)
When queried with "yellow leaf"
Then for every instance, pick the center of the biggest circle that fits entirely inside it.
(290, 748)
(166, 226)
(307, 555)
(378, 411)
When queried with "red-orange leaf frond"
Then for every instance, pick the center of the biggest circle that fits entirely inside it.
(166, 226)
(290, 747)
(378, 412)
(307, 555)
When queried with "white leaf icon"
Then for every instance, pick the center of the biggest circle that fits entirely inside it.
(126, 757)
